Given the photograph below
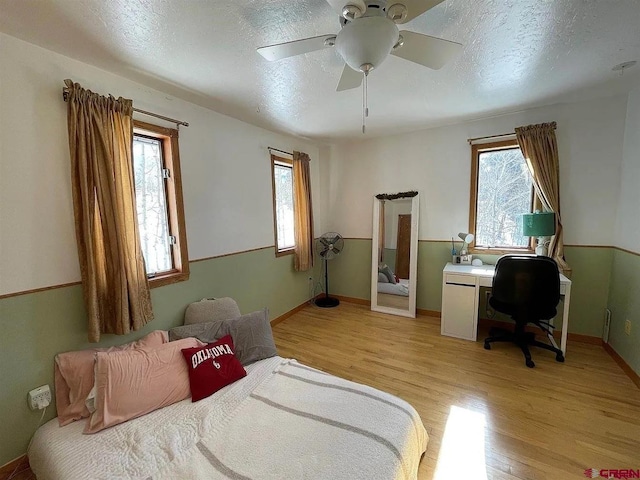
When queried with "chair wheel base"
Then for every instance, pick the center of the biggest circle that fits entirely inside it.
(530, 363)
(487, 346)
(560, 358)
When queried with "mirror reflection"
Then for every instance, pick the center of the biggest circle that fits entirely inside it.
(395, 248)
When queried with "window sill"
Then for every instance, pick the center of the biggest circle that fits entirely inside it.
(168, 278)
(501, 251)
(282, 253)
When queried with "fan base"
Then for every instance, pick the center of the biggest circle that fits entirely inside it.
(327, 302)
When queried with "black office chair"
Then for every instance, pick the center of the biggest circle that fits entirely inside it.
(528, 289)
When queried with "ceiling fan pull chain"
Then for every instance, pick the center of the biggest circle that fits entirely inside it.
(366, 94)
(365, 101)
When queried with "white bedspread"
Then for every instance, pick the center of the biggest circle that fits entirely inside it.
(283, 421)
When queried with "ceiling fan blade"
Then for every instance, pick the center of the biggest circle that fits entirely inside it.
(338, 5)
(349, 79)
(432, 52)
(297, 47)
(416, 8)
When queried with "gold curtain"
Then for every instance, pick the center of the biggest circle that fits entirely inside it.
(115, 285)
(302, 212)
(540, 149)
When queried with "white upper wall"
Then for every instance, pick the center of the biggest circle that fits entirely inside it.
(437, 163)
(226, 172)
(628, 219)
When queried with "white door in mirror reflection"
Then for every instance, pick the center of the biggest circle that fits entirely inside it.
(394, 254)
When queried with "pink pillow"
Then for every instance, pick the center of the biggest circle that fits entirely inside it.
(132, 383)
(73, 372)
(212, 367)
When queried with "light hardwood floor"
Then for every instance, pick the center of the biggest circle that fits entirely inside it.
(547, 423)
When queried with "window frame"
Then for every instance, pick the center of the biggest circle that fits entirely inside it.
(175, 205)
(476, 150)
(277, 159)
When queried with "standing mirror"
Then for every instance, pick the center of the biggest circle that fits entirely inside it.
(394, 257)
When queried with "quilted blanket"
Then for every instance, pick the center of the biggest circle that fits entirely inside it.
(283, 421)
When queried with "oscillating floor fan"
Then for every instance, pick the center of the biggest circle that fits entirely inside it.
(328, 246)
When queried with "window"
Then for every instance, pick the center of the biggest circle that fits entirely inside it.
(501, 191)
(156, 165)
(282, 176)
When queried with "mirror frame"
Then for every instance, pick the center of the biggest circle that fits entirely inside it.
(413, 259)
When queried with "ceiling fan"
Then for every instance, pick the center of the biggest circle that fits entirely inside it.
(369, 34)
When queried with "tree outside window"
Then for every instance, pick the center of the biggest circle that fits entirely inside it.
(503, 193)
(282, 177)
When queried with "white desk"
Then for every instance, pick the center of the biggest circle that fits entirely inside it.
(460, 300)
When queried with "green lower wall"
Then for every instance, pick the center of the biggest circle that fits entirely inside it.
(624, 302)
(350, 276)
(36, 326)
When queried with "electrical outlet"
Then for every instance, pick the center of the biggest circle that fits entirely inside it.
(627, 326)
(40, 397)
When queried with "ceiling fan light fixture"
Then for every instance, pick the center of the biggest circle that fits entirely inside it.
(397, 13)
(367, 40)
(351, 12)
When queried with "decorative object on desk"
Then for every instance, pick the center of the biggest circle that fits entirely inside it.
(328, 246)
(541, 225)
(462, 259)
(466, 238)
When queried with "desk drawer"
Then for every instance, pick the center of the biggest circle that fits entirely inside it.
(460, 279)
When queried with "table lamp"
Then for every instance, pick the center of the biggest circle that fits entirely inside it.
(541, 225)
(466, 238)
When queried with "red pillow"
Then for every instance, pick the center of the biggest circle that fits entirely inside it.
(212, 367)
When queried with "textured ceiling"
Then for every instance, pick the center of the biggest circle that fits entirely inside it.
(517, 54)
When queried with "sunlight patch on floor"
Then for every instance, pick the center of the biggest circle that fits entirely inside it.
(462, 453)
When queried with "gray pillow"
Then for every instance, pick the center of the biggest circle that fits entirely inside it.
(210, 310)
(389, 274)
(382, 278)
(251, 333)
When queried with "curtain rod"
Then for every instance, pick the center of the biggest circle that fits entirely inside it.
(471, 140)
(65, 96)
(278, 150)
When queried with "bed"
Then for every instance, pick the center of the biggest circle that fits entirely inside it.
(284, 420)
